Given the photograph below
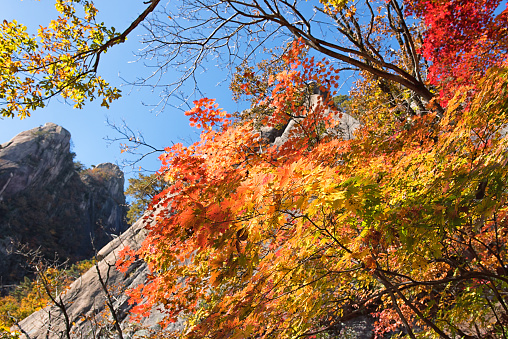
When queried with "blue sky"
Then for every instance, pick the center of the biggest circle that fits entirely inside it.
(88, 125)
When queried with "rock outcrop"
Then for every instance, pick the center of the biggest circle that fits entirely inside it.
(48, 203)
(345, 126)
(85, 301)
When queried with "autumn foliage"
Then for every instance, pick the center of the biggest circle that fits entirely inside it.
(463, 40)
(34, 294)
(61, 60)
(406, 222)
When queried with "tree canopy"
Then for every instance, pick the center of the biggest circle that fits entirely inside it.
(405, 222)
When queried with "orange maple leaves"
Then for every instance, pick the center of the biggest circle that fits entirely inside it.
(253, 240)
(206, 114)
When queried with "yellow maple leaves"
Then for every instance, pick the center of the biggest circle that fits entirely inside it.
(60, 61)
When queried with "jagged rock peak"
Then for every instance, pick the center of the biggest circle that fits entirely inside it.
(35, 155)
(48, 202)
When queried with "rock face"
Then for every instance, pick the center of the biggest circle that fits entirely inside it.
(46, 202)
(85, 300)
(346, 125)
(22, 157)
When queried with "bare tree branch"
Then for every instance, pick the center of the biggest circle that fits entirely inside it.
(185, 38)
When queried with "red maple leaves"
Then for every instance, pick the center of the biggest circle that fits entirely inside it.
(463, 40)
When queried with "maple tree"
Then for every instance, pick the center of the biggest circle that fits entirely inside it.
(463, 40)
(253, 240)
(375, 37)
(355, 36)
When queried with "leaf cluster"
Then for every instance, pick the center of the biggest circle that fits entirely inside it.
(31, 294)
(142, 190)
(61, 60)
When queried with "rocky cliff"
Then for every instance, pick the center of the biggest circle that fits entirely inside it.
(48, 203)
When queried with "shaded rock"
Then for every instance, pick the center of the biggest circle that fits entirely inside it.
(45, 202)
(271, 133)
(86, 301)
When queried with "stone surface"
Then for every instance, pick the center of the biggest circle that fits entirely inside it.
(20, 158)
(271, 133)
(344, 129)
(361, 327)
(86, 301)
(45, 202)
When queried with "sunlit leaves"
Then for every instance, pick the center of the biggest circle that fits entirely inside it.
(32, 295)
(206, 114)
(333, 6)
(60, 60)
(463, 40)
(406, 222)
(278, 242)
